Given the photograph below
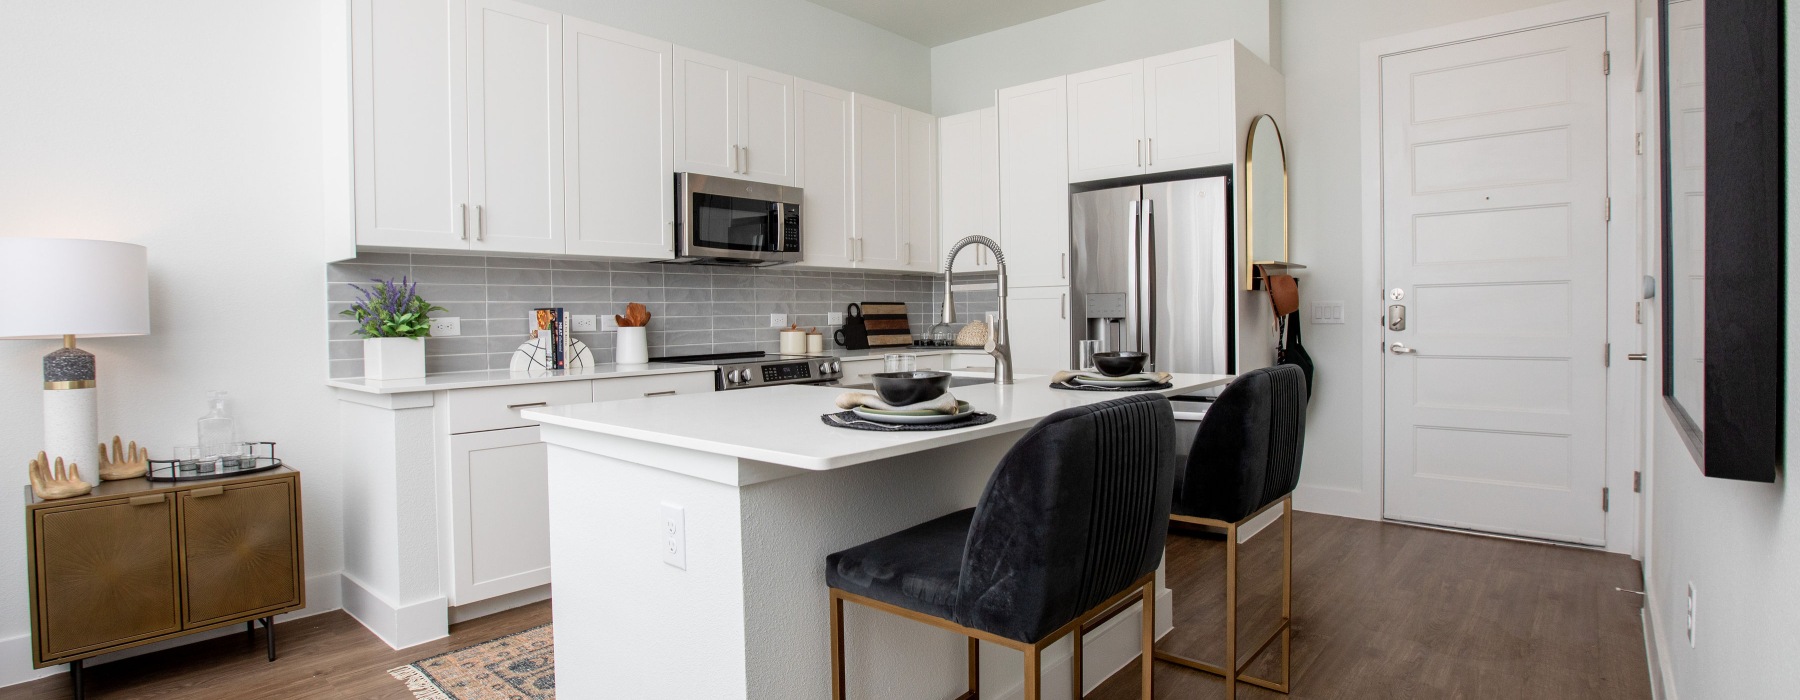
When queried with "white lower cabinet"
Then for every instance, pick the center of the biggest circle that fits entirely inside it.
(1039, 328)
(500, 529)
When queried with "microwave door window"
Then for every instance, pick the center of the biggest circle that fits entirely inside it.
(733, 223)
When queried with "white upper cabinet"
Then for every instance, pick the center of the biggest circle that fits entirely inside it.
(969, 185)
(879, 154)
(618, 157)
(1188, 109)
(732, 119)
(823, 171)
(1034, 191)
(920, 247)
(515, 127)
(408, 174)
(1106, 122)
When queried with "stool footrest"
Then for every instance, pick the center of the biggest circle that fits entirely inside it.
(1241, 675)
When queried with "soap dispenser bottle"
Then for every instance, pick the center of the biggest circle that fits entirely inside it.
(217, 436)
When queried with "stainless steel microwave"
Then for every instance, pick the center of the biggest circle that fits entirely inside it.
(721, 221)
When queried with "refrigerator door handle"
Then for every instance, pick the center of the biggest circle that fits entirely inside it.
(1133, 283)
(1147, 277)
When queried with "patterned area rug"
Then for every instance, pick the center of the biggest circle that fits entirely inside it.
(518, 666)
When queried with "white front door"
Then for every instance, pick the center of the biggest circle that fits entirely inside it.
(1495, 223)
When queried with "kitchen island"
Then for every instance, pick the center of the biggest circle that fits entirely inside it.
(689, 535)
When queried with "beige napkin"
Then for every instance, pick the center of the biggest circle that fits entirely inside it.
(945, 404)
(1066, 375)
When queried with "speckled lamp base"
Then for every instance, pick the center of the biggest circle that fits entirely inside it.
(71, 408)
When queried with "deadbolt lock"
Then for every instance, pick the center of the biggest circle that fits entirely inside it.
(1397, 317)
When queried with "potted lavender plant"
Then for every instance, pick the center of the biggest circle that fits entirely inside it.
(394, 323)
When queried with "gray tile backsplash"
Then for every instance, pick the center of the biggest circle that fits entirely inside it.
(693, 309)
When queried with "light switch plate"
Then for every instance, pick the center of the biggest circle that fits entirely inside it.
(446, 327)
(584, 323)
(1324, 312)
(674, 536)
(834, 318)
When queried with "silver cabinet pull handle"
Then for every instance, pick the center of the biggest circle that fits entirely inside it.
(1401, 349)
(534, 404)
(670, 392)
(1638, 356)
(746, 160)
(1150, 151)
(1065, 266)
(480, 223)
(1140, 152)
(463, 219)
(908, 259)
(1065, 305)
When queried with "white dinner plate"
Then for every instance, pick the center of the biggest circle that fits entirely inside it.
(911, 417)
(1115, 383)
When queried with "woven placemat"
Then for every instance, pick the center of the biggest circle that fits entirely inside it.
(1082, 387)
(852, 421)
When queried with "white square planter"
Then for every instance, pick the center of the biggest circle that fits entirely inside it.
(393, 358)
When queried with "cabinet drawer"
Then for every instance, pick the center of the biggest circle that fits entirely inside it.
(240, 550)
(496, 407)
(858, 371)
(652, 385)
(958, 361)
(105, 574)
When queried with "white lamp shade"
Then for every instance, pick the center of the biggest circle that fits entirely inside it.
(51, 287)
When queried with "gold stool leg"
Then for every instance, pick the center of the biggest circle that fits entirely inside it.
(1033, 669)
(974, 668)
(1231, 580)
(1075, 663)
(837, 646)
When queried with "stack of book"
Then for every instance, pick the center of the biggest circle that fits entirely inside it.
(551, 328)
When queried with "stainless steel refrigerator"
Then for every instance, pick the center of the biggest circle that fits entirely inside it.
(1152, 272)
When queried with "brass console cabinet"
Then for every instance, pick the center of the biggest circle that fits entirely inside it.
(137, 562)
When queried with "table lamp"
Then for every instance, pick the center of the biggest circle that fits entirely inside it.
(64, 288)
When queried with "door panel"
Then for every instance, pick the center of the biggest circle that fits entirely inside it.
(1106, 122)
(1188, 110)
(880, 138)
(1494, 196)
(106, 575)
(408, 125)
(618, 161)
(1034, 188)
(501, 525)
(919, 244)
(705, 114)
(969, 185)
(767, 126)
(515, 127)
(822, 118)
(240, 550)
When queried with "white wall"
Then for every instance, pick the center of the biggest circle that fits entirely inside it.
(1738, 543)
(1322, 41)
(193, 128)
(965, 74)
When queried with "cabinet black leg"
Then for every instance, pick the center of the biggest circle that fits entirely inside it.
(250, 631)
(75, 679)
(269, 631)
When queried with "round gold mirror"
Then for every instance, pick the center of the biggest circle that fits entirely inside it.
(1266, 197)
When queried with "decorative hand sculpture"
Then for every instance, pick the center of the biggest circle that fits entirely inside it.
(48, 484)
(125, 463)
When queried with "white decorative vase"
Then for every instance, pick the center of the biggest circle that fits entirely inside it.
(393, 358)
(633, 346)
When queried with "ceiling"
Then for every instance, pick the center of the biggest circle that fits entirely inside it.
(935, 22)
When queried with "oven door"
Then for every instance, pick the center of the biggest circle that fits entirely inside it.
(737, 220)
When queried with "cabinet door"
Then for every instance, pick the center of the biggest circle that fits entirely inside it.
(1187, 115)
(822, 147)
(500, 525)
(1034, 187)
(515, 127)
(241, 549)
(766, 126)
(409, 151)
(969, 184)
(705, 114)
(1039, 320)
(618, 159)
(104, 574)
(920, 246)
(1106, 122)
(878, 137)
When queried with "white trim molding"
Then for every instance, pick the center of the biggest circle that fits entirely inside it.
(1624, 380)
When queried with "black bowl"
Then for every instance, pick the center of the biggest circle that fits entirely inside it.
(1119, 364)
(903, 388)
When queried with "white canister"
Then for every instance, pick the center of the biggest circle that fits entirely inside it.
(793, 342)
(393, 358)
(632, 346)
(815, 343)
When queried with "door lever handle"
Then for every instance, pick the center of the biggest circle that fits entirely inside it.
(1401, 349)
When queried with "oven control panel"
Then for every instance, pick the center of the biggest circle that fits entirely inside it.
(812, 370)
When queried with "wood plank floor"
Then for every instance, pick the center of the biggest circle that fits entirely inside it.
(1381, 611)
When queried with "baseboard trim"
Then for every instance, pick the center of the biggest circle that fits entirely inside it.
(1662, 676)
(1335, 501)
(1110, 647)
(400, 626)
(499, 603)
(323, 594)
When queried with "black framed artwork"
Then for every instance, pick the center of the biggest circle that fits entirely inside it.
(1723, 264)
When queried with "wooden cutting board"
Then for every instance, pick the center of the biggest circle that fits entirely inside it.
(887, 324)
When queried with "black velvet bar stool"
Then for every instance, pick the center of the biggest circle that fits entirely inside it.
(1245, 460)
(1072, 522)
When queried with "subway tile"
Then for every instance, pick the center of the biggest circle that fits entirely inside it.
(626, 278)
(733, 308)
(583, 278)
(435, 364)
(448, 260)
(473, 327)
(362, 274)
(458, 345)
(516, 277)
(342, 330)
(641, 295)
(346, 369)
(463, 309)
(686, 294)
(688, 337)
(514, 327)
(373, 258)
(439, 293)
(657, 268)
(685, 323)
(504, 261)
(584, 265)
(503, 343)
(723, 281)
(734, 294)
(751, 321)
(565, 295)
(673, 350)
(774, 295)
(688, 309)
(739, 335)
(541, 295)
(450, 275)
(345, 349)
(587, 308)
(512, 309)
(687, 279)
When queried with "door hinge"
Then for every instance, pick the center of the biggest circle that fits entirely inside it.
(1609, 209)
(1640, 143)
(1606, 357)
(1637, 482)
(1606, 500)
(1606, 63)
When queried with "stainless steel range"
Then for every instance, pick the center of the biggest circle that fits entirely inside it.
(748, 370)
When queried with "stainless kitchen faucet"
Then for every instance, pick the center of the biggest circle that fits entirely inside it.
(998, 343)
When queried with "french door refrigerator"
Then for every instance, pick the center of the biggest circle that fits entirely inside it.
(1152, 272)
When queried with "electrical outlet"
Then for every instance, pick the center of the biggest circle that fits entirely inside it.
(1690, 614)
(674, 534)
(446, 327)
(1324, 312)
(835, 318)
(778, 321)
(584, 323)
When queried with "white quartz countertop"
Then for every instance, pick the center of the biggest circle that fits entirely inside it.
(780, 424)
(470, 380)
(920, 350)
